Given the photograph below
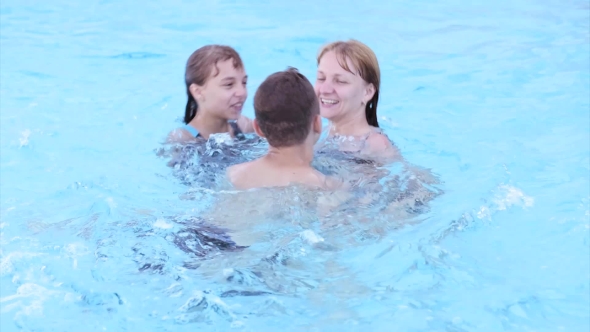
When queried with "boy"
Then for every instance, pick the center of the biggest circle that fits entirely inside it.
(287, 115)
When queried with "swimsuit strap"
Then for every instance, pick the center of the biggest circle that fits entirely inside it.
(234, 126)
(237, 131)
(192, 130)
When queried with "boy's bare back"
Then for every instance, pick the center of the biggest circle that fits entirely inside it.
(260, 173)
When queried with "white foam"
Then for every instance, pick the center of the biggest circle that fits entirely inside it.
(7, 262)
(24, 138)
(111, 203)
(228, 272)
(510, 196)
(161, 223)
(310, 237)
(484, 212)
(75, 250)
(221, 138)
(36, 295)
(192, 301)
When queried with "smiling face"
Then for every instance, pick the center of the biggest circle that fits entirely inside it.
(224, 92)
(341, 93)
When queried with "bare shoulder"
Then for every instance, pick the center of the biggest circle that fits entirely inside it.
(238, 175)
(179, 135)
(325, 182)
(245, 124)
(234, 172)
(378, 144)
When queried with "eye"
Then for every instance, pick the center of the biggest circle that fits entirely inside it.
(321, 79)
(340, 82)
(229, 85)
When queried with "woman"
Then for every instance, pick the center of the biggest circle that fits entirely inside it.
(216, 89)
(347, 88)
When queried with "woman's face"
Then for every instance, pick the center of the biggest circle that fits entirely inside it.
(224, 92)
(341, 93)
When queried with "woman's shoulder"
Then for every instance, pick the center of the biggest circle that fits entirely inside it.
(379, 144)
(378, 140)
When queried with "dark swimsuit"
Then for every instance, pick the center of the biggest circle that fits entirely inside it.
(234, 126)
(213, 156)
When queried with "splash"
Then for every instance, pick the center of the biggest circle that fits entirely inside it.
(505, 197)
(24, 139)
(508, 196)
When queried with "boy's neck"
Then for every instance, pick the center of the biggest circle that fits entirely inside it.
(355, 125)
(293, 156)
(207, 124)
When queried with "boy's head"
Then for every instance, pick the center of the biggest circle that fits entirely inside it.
(286, 109)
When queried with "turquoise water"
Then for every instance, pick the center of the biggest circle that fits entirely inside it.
(493, 98)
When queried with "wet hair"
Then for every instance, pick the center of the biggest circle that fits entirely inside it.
(201, 65)
(365, 61)
(285, 105)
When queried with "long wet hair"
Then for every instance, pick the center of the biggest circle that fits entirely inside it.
(201, 65)
(365, 61)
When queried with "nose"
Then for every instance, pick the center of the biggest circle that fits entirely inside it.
(242, 91)
(325, 87)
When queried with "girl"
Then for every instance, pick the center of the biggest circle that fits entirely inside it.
(216, 89)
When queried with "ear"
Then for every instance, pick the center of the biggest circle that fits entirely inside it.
(369, 92)
(196, 91)
(317, 124)
(257, 128)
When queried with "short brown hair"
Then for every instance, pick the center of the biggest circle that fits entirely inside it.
(285, 105)
(201, 65)
(365, 61)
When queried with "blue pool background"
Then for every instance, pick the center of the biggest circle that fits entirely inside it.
(494, 98)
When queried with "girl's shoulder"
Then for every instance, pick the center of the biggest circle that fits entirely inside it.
(180, 135)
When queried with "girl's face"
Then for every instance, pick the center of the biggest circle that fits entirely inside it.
(224, 93)
(341, 93)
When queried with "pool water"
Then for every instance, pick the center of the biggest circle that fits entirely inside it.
(492, 98)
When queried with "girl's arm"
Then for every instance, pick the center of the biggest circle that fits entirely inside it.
(245, 124)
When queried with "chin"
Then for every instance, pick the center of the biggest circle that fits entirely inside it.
(328, 114)
(234, 116)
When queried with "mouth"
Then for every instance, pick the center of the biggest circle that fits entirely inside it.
(237, 106)
(328, 102)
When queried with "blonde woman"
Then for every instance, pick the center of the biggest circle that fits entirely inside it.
(347, 87)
